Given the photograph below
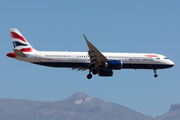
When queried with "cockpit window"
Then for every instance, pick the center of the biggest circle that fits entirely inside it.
(165, 58)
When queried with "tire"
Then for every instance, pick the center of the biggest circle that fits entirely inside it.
(89, 76)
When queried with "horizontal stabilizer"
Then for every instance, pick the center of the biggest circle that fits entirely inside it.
(19, 53)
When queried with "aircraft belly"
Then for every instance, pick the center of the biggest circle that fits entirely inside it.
(63, 64)
(145, 66)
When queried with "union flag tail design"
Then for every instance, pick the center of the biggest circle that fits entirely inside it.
(19, 42)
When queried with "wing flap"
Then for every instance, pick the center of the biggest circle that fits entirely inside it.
(78, 69)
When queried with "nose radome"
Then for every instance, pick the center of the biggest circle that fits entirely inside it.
(171, 63)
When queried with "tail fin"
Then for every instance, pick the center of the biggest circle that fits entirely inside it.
(19, 42)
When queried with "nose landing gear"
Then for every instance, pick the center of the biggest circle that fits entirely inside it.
(155, 75)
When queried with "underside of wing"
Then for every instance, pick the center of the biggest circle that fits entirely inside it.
(78, 69)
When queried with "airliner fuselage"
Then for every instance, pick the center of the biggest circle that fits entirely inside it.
(81, 59)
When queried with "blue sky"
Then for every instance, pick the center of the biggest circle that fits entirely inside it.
(114, 26)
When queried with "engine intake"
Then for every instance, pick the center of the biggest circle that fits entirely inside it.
(113, 64)
(105, 72)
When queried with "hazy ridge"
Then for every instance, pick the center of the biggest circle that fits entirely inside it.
(79, 106)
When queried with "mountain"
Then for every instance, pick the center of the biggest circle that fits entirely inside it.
(172, 114)
(79, 106)
(82, 98)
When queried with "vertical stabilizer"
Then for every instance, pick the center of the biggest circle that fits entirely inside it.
(19, 42)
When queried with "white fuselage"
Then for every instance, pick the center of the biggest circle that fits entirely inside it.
(81, 59)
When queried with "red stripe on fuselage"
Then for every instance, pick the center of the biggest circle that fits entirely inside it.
(15, 35)
(151, 55)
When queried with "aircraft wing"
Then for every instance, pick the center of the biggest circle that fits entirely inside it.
(96, 57)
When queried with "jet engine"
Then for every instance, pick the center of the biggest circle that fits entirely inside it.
(113, 64)
(105, 72)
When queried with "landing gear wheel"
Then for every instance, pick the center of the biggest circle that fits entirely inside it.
(89, 76)
(155, 75)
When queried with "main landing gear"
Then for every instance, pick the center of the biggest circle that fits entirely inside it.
(94, 72)
(89, 76)
(155, 75)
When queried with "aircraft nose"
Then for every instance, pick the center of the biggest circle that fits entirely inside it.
(171, 63)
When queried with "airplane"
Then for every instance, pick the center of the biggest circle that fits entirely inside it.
(101, 63)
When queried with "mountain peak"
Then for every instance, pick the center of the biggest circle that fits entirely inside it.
(82, 98)
(76, 98)
(79, 95)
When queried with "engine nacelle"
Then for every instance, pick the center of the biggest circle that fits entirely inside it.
(105, 72)
(113, 64)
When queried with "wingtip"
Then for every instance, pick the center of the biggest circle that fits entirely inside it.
(84, 35)
(85, 38)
